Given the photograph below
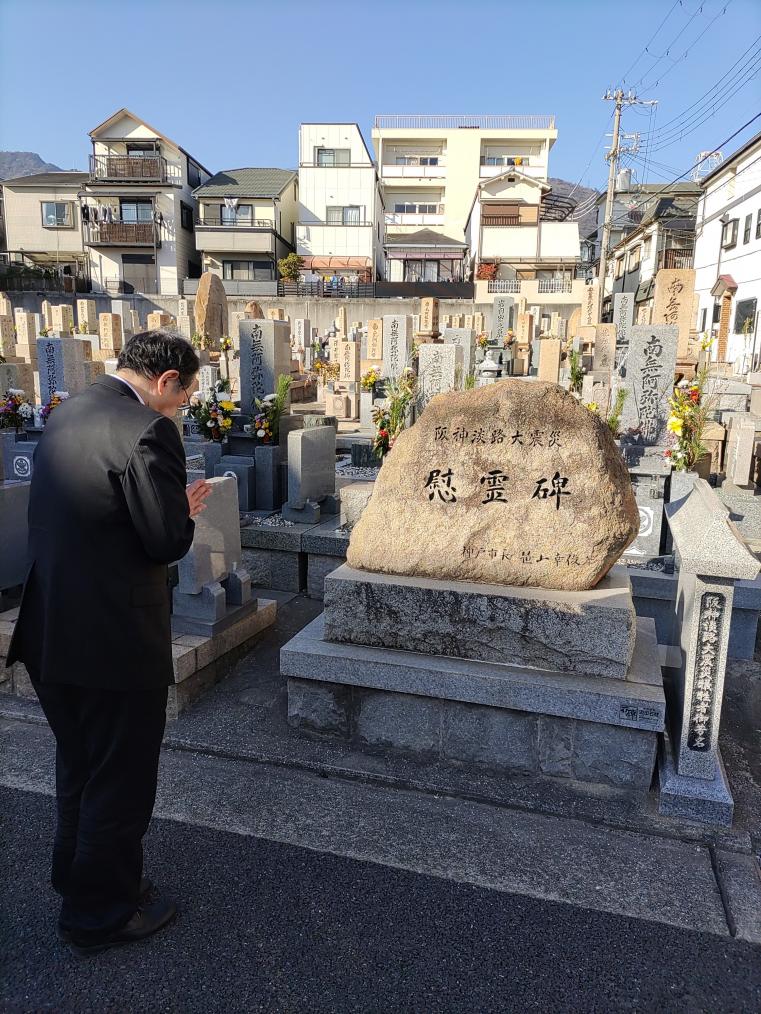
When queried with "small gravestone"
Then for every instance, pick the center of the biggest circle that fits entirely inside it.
(429, 317)
(549, 360)
(623, 317)
(649, 380)
(62, 365)
(465, 339)
(243, 470)
(87, 315)
(311, 474)
(265, 354)
(673, 302)
(513, 483)
(302, 332)
(375, 339)
(590, 305)
(437, 371)
(18, 459)
(397, 344)
(605, 348)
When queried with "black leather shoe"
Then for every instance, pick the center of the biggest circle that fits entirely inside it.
(146, 889)
(148, 919)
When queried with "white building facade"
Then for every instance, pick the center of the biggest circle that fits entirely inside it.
(728, 257)
(339, 233)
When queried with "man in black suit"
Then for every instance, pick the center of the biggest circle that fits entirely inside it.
(109, 510)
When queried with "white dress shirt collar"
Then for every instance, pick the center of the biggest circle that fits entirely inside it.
(133, 389)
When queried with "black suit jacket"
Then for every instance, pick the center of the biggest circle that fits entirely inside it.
(108, 512)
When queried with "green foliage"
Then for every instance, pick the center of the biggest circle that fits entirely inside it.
(392, 419)
(290, 267)
(614, 416)
(577, 373)
(277, 404)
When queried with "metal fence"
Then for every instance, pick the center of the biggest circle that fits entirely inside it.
(404, 121)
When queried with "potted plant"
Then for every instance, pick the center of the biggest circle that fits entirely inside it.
(213, 413)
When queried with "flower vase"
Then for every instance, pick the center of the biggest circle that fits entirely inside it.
(702, 467)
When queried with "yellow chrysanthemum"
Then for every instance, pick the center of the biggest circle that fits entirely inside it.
(675, 424)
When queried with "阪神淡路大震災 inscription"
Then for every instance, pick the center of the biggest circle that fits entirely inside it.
(706, 670)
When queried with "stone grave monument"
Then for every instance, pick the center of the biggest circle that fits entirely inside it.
(429, 318)
(464, 338)
(311, 475)
(623, 319)
(397, 344)
(481, 619)
(711, 558)
(590, 305)
(65, 364)
(375, 339)
(649, 380)
(438, 367)
(265, 354)
(210, 308)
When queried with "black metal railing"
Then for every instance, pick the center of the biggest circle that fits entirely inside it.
(324, 290)
(128, 168)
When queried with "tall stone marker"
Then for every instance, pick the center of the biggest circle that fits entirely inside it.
(375, 339)
(429, 317)
(590, 305)
(397, 344)
(549, 359)
(623, 317)
(63, 365)
(605, 348)
(511, 483)
(465, 338)
(265, 354)
(349, 361)
(210, 308)
(87, 314)
(649, 380)
(673, 303)
(437, 370)
(302, 332)
(501, 316)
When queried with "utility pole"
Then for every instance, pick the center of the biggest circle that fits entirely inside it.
(621, 99)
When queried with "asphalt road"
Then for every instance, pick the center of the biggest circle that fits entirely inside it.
(272, 927)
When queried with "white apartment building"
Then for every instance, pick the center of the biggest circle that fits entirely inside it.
(431, 166)
(340, 225)
(138, 210)
(728, 257)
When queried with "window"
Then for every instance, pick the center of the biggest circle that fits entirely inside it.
(729, 234)
(634, 258)
(416, 209)
(333, 156)
(648, 246)
(186, 216)
(339, 215)
(758, 224)
(417, 159)
(242, 215)
(194, 175)
(141, 149)
(58, 214)
(703, 318)
(619, 267)
(747, 228)
(136, 211)
(247, 271)
(745, 316)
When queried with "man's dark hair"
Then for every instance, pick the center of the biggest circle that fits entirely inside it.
(152, 353)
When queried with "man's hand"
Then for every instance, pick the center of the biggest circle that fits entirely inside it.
(197, 492)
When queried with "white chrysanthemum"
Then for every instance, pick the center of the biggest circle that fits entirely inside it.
(260, 433)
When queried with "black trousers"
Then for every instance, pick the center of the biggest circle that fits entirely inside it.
(107, 757)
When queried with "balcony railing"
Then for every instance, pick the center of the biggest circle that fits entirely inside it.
(215, 222)
(128, 169)
(555, 285)
(319, 289)
(453, 122)
(413, 170)
(122, 234)
(676, 259)
(500, 161)
(505, 285)
(503, 220)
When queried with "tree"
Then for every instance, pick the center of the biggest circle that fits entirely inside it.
(290, 267)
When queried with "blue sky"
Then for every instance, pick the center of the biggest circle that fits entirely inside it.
(231, 81)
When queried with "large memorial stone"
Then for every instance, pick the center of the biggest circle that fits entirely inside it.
(437, 371)
(210, 307)
(265, 354)
(311, 466)
(512, 483)
(397, 344)
(302, 332)
(549, 359)
(649, 380)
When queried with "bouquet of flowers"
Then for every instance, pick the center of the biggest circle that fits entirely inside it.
(326, 370)
(55, 399)
(213, 413)
(391, 419)
(15, 409)
(370, 379)
(269, 410)
(509, 338)
(200, 341)
(689, 414)
(482, 341)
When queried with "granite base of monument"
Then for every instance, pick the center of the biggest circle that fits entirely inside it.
(708, 801)
(499, 715)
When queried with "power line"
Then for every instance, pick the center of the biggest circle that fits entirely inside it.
(667, 52)
(722, 12)
(700, 117)
(591, 157)
(701, 101)
(678, 3)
